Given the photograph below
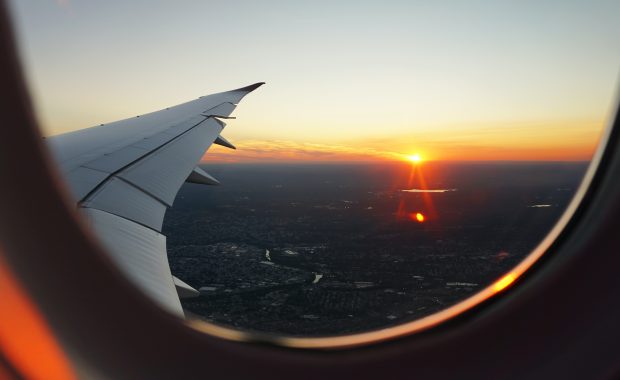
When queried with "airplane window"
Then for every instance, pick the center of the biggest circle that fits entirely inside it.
(403, 160)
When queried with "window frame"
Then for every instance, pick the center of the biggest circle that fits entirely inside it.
(106, 326)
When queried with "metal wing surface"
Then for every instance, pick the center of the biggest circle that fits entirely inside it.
(124, 175)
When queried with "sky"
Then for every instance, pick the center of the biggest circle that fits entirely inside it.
(346, 81)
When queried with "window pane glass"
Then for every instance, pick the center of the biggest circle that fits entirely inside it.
(402, 157)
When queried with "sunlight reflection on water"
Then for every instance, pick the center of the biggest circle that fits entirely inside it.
(428, 190)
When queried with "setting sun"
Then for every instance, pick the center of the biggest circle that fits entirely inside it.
(415, 158)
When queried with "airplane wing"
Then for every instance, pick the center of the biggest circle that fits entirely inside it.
(124, 175)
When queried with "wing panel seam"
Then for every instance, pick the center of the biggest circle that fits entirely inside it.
(114, 174)
(123, 217)
(142, 190)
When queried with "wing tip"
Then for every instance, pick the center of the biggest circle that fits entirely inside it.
(251, 87)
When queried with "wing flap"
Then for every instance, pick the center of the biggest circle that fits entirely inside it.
(163, 172)
(120, 198)
(140, 253)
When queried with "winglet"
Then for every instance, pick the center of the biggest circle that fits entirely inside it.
(250, 88)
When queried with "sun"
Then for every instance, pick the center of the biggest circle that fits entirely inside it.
(415, 158)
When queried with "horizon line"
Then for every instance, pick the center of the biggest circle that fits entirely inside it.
(384, 162)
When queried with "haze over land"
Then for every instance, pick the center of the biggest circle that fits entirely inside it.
(332, 249)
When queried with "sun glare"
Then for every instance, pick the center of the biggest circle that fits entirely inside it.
(415, 158)
(503, 282)
(418, 216)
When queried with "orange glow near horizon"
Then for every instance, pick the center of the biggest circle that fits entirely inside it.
(419, 217)
(543, 144)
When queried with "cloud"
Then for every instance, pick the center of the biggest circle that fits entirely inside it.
(535, 141)
(290, 151)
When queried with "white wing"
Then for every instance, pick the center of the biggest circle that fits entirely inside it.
(124, 175)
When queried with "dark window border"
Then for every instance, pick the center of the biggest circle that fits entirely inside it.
(562, 319)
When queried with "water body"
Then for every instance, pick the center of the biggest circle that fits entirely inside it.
(428, 190)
